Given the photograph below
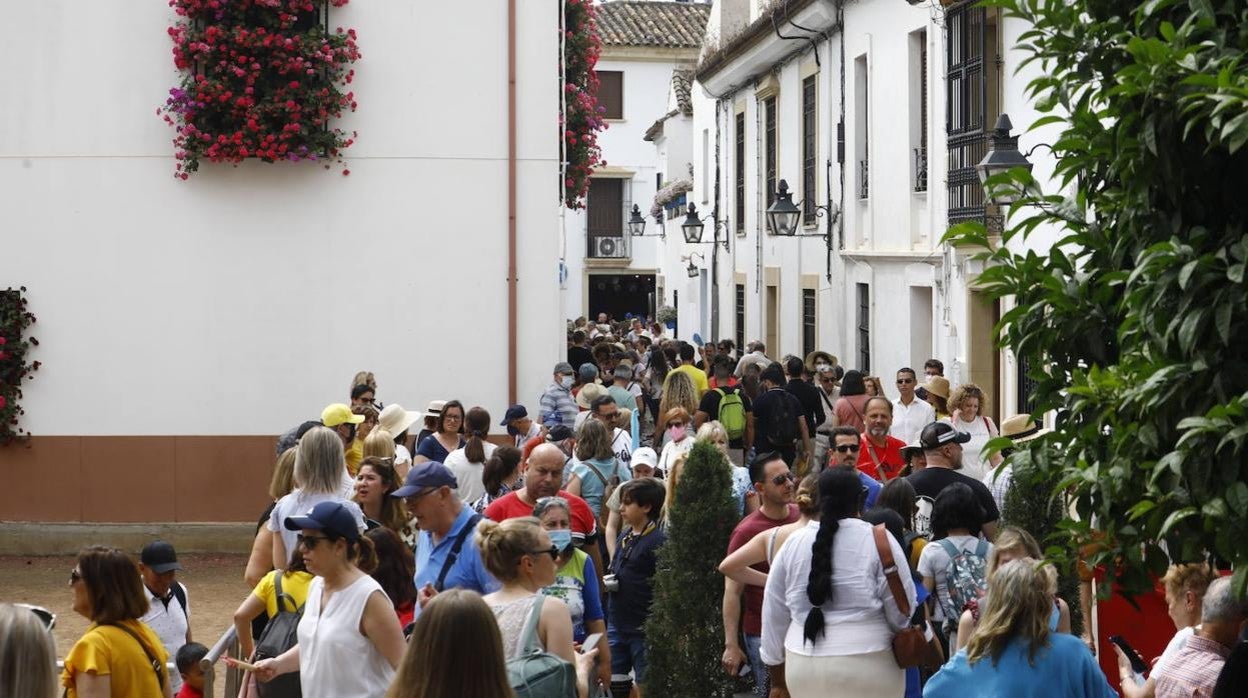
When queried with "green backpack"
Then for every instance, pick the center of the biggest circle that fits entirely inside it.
(731, 413)
(536, 673)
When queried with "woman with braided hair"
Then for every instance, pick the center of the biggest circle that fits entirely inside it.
(828, 615)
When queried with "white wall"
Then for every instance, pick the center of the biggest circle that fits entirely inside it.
(243, 300)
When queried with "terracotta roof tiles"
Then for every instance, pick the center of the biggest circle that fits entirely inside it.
(661, 24)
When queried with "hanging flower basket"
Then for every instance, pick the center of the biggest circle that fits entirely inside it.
(670, 192)
(260, 79)
(15, 344)
(584, 116)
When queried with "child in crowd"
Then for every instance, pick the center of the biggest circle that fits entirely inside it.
(633, 568)
(187, 659)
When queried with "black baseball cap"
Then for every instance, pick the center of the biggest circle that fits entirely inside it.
(938, 434)
(159, 557)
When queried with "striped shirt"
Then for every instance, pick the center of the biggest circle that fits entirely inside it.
(1194, 670)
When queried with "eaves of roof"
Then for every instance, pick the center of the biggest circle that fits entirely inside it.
(752, 34)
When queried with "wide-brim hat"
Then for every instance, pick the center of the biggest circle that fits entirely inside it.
(1021, 428)
(396, 420)
(938, 386)
(815, 358)
(588, 393)
(435, 408)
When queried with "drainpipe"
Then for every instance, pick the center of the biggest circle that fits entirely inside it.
(715, 235)
(512, 324)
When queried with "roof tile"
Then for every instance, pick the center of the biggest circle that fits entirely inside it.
(663, 24)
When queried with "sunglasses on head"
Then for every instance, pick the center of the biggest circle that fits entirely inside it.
(846, 448)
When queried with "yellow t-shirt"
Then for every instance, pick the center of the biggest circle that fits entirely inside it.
(355, 454)
(111, 651)
(696, 374)
(294, 585)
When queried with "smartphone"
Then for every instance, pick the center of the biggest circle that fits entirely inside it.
(590, 642)
(1137, 662)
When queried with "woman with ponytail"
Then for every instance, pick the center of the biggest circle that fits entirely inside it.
(468, 461)
(347, 614)
(828, 615)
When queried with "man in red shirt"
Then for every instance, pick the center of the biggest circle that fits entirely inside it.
(880, 455)
(774, 484)
(542, 479)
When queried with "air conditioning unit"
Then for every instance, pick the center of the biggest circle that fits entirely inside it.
(609, 247)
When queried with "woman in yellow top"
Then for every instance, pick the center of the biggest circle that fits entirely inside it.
(295, 583)
(118, 656)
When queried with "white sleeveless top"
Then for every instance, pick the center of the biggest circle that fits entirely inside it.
(335, 660)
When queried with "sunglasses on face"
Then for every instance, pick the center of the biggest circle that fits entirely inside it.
(904, 381)
(846, 448)
(74, 576)
(310, 542)
(553, 552)
(783, 478)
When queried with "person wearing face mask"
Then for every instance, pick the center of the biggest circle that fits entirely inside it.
(557, 405)
(576, 581)
(676, 421)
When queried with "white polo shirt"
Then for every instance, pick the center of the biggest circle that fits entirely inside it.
(170, 623)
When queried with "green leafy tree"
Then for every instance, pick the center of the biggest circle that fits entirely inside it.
(1133, 324)
(685, 632)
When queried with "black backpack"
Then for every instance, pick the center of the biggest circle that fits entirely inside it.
(281, 633)
(782, 431)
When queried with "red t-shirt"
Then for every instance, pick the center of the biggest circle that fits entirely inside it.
(750, 526)
(511, 506)
(889, 457)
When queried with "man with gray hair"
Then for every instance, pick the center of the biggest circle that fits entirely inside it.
(1194, 670)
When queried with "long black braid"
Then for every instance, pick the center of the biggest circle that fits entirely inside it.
(840, 492)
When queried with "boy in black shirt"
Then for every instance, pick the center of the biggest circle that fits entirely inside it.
(636, 557)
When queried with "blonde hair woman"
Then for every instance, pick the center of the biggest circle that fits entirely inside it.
(747, 499)
(319, 476)
(436, 664)
(679, 393)
(1013, 651)
(1013, 543)
(27, 654)
(967, 405)
(520, 555)
(260, 562)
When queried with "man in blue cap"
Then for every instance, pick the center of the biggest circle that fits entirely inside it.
(520, 426)
(446, 557)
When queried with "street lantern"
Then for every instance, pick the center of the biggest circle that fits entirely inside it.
(782, 215)
(1003, 156)
(692, 226)
(692, 270)
(636, 223)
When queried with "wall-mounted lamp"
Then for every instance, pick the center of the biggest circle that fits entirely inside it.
(693, 226)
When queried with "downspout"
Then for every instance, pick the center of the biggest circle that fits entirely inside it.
(715, 237)
(512, 323)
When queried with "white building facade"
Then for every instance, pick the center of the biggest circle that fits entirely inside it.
(183, 324)
(875, 124)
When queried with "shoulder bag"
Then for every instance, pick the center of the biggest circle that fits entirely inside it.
(910, 647)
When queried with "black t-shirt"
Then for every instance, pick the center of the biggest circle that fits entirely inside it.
(577, 356)
(812, 404)
(764, 405)
(929, 482)
(710, 405)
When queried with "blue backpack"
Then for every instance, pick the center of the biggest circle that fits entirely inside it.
(536, 673)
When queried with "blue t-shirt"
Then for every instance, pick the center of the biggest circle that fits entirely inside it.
(576, 584)
(873, 489)
(591, 485)
(467, 572)
(431, 448)
(914, 687)
(634, 564)
(1064, 667)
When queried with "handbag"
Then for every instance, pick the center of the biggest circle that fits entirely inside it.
(534, 672)
(910, 647)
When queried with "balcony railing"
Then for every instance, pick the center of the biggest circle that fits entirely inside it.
(920, 169)
(863, 171)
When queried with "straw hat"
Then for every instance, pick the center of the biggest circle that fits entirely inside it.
(1022, 429)
(938, 386)
(588, 393)
(396, 420)
(815, 358)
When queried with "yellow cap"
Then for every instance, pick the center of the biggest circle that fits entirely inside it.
(339, 413)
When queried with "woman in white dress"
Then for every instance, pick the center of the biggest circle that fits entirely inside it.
(350, 642)
(967, 405)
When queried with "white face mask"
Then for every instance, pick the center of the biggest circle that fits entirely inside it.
(823, 368)
(566, 381)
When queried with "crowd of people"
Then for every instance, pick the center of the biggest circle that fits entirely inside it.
(868, 556)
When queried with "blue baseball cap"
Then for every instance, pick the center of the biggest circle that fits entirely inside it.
(513, 413)
(331, 517)
(425, 475)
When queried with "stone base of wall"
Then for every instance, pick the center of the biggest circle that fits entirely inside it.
(69, 538)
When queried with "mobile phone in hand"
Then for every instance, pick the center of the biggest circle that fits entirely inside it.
(1137, 663)
(590, 642)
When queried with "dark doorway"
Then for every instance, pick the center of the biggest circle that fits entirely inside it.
(620, 295)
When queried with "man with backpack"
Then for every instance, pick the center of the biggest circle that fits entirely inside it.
(731, 407)
(169, 612)
(805, 392)
(779, 422)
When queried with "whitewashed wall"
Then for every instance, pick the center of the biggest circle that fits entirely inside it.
(244, 300)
